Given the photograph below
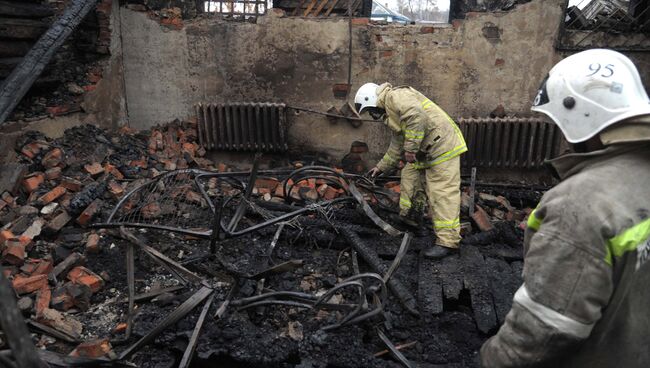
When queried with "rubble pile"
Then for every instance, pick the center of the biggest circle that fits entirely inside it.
(135, 247)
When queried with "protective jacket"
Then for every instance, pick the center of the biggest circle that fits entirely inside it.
(419, 126)
(586, 291)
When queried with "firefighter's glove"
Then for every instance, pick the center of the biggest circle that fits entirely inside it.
(373, 172)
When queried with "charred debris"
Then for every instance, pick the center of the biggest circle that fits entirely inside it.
(135, 249)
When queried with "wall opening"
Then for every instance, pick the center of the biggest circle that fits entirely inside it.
(236, 8)
(617, 24)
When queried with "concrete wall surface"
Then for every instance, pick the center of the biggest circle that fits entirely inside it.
(468, 67)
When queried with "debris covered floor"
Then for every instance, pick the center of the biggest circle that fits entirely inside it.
(217, 280)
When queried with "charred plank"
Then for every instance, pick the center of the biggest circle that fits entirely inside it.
(14, 88)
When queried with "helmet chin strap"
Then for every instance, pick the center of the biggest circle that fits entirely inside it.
(592, 144)
(376, 112)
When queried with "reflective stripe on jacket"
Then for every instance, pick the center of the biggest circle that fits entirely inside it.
(586, 284)
(418, 126)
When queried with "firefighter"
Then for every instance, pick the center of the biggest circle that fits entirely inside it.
(586, 289)
(431, 144)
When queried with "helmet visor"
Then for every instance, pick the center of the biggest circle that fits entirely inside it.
(357, 106)
(542, 95)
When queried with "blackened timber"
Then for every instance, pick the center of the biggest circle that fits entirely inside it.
(475, 280)
(14, 88)
(429, 288)
(14, 48)
(449, 271)
(22, 10)
(405, 297)
(504, 282)
(30, 29)
(14, 328)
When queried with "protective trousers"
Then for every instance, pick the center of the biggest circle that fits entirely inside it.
(442, 188)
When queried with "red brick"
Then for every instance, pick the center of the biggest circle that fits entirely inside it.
(94, 169)
(26, 242)
(396, 189)
(456, 23)
(386, 53)
(391, 184)
(58, 222)
(82, 275)
(222, 167)
(14, 252)
(93, 349)
(92, 243)
(71, 184)
(156, 141)
(30, 150)
(267, 183)
(90, 212)
(33, 181)
(121, 327)
(426, 29)
(360, 21)
(44, 267)
(29, 267)
(117, 174)
(190, 148)
(53, 158)
(116, 189)
(499, 62)
(24, 285)
(65, 200)
(52, 195)
(151, 210)
(193, 197)
(482, 219)
(53, 173)
(5, 235)
(43, 298)
(327, 192)
(142, 163)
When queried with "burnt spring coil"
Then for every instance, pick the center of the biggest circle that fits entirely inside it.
(242, 126)
(509, 142)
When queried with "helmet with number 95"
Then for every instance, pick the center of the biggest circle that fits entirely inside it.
(591, 90)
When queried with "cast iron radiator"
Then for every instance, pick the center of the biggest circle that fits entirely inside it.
(243, 126)
(522, 143)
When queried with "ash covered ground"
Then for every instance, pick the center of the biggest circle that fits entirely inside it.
(461, 300)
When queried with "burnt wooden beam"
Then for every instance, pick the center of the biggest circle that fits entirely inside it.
(13, 48)
(22, 10)
(14, 88)
(14, 328)
(22, 28)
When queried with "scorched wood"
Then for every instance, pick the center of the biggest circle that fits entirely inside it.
(19, 9)
(14, 88)
(14, 328)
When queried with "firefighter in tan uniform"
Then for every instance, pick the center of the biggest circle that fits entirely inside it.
(431, 144)
(586, 292)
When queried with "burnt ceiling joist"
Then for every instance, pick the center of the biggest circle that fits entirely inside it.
(458, 8)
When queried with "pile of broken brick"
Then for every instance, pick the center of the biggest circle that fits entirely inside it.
(59, 187)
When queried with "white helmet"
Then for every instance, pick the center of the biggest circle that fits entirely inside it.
(366, 97)
(591, 90)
